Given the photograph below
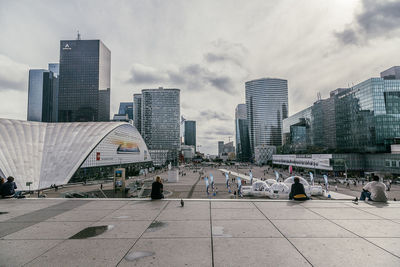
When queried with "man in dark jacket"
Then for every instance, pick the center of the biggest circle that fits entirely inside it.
(8, 188)
(297, 191)
(157, 189)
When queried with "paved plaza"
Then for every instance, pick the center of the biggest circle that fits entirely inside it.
(119, 232)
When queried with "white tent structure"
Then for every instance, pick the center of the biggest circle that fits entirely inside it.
(50, 153)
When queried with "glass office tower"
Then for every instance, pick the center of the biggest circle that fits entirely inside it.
(84, 85)
(161, 124)
(242, 133)
(267, 106)
(190, 133)
(126, 108)
(42, 96)
(137, 112)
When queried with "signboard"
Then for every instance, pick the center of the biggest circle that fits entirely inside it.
(311, 161)
(97, 155)
(119, 179)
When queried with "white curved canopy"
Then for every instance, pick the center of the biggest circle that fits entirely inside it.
(290, 180)
(49, 153)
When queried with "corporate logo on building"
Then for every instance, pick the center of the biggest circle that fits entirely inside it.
(66, 47)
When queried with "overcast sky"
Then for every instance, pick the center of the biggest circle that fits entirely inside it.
(208, 49)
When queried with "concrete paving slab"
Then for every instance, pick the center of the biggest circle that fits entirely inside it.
(123, 229)
(325, 204)
(244, 228)
(7, 228)
(89, 252)
(371, 228)
(20, 252)
(344, 214)
(256, 252)
(171, 252)
(232, 205)
(49, 230)
(12, 214)
(131, 215)
(236, 214)
(278, 204)
(186, 213)
(179, 229)
(343, 252)
(390, 244)
(311, 228)
(293, 214)
(146, 205)
(103, 204)
(80, 216)
(392, 214)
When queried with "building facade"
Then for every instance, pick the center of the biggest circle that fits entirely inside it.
(137, 111)
(242, 134)
(190, 133)
(363, 121)
(42, 96)
(126, 108)
(267, 106)
(161, 124)
(84, 85)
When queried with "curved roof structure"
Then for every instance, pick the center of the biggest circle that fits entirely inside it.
(50, 153)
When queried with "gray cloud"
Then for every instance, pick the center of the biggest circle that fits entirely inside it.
(376, 19)
(213, 115)
(13, 75)
(193, 76)
(219, 131)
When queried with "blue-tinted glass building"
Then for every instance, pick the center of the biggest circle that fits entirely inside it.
(84, 81)
(137, 111)
(267, 106)
(42, 96)
(126, 108)
(190, 133)
(242, 134)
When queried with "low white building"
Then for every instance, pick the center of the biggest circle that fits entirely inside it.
(52, 153)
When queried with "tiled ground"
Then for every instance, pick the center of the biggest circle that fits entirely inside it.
(36, 232)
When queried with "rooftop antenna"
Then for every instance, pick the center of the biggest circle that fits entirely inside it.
(78, 37)
(319, 96)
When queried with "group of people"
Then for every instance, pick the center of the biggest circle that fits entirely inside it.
(7, 189)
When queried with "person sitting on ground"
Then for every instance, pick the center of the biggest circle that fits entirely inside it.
(157, 189)
(374, 191)
(297, 191)
(8, 188)
(1, 183)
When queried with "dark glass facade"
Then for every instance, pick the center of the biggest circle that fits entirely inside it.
(190, 133)
(42, 96)
(126, 108)
(84, 85)
(137, 112)
(362, 119)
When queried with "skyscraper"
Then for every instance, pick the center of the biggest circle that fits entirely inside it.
(42, 96)
(242, 133)
(161, 124)
(126, 108)
(137, 111)
(190, 133)
(84, 85)
(267, 106)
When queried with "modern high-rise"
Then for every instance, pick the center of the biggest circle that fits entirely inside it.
(190, 133)
(42, 96)
(137, 111)
(267, 106)
(126, 108)
(84, 81)
(242, 133)
(161, 124)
